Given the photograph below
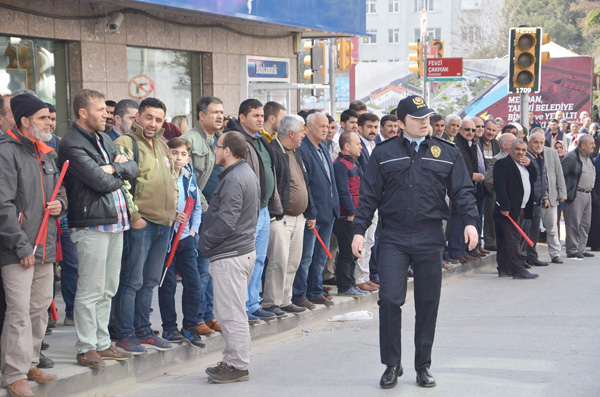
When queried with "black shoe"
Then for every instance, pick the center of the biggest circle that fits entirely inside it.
(45, 345)
(330, 281)
(375, 280)
(424, 378)
(410, 273)
(526, 265)
(321, 300)
(525, 275)
(557, 259)
(48, 332)
(389, 378)
(491, 248)
(538, 263)
(588, 254)
(504, 273)
(575, 256)
(293, 309)
(275, 309)
(193, 337)
(542, 238)
(224, 373)
(45, 362)
(475, 254)
(173, 336)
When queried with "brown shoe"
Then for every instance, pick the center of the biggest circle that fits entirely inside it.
(204, 329)
(447, 265)
(306, 303)
(214, 325)
(90, 359)
(321, 300)
(366, 287)
(372, 284)
(20, 388)
(114, 353)
(463, 259)
(40, 376)
(471, 257)
(484, 251)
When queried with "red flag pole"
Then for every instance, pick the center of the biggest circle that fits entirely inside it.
(38, 239)
(521, 232)
(189, 206)
(54, 311)
(314, 229)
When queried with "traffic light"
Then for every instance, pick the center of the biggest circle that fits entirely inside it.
(344, 54)
(440, 47)
(418, 57)
(316, 62)
(526, 58)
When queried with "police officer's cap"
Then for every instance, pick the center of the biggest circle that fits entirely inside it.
(413, 106)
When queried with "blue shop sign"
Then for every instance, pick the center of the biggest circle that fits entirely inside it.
(265, 70)
(341, 16)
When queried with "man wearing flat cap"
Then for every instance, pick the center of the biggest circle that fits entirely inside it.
(407, 180)
(29, 174)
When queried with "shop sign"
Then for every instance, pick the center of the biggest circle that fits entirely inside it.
(265, 69)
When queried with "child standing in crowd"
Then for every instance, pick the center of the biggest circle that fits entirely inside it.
(185, 256)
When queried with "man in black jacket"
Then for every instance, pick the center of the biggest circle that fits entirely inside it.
(227, 238)
(514, 176)
(98, 217)
(287, 227)
(468, 149)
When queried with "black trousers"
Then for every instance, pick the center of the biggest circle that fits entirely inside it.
(422, 246)
(509, 248)
(532, 228)
(346, 262)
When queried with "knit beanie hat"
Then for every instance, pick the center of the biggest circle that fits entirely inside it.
(25, 105)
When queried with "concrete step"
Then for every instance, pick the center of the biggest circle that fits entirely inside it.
(77, 380)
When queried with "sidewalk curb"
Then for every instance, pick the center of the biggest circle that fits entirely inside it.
(78, 380)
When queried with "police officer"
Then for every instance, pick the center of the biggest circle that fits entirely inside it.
(407, 179)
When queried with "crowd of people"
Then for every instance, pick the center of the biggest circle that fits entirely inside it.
(259, 200)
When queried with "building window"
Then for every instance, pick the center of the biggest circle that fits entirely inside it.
(428, 5)
(171, 76)
(471, 33)
(37, 65)
(371, 6)
(393, 36)
(393, 6)
(434, 33)
(371, 39)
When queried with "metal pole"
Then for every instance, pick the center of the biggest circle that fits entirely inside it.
(424, 41)
(332, 65)
(525, 110)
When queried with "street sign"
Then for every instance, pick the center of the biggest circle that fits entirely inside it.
(423, 22)
(432, 51)
(140, 86)
(444, 69)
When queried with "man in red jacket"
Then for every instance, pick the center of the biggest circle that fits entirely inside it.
(347, 178)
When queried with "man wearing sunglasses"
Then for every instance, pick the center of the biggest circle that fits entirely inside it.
(468, 148)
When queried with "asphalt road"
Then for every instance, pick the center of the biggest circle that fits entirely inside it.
(495, 337)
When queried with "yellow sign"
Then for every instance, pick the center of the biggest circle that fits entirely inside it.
(436, 151)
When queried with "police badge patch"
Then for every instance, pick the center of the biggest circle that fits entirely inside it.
(436, 151)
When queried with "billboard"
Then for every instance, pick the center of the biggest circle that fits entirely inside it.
(566, 85)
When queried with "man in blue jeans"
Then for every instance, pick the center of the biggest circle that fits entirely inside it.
(325, 208)
(153, 204)
(260, 159)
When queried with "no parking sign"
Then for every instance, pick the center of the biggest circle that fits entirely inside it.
(140, 86)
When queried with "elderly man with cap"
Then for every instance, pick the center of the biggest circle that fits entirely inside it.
(29, 174)
(407, 180)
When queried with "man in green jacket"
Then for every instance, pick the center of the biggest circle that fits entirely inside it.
(153, 207)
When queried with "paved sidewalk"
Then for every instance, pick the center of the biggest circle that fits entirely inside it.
(77, 380)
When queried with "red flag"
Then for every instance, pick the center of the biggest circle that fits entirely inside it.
(189, 206)
(314, 229)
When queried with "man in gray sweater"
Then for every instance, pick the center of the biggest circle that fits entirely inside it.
(227, 238)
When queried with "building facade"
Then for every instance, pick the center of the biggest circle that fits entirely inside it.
(174, 50)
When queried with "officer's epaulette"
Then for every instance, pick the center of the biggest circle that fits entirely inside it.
(444, 140)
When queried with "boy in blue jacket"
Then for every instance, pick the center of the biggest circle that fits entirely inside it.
(184, 262)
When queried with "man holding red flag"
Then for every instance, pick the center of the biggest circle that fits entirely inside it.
(97, 217)
(27, 170)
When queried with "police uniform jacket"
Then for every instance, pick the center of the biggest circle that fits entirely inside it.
(410, 188)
